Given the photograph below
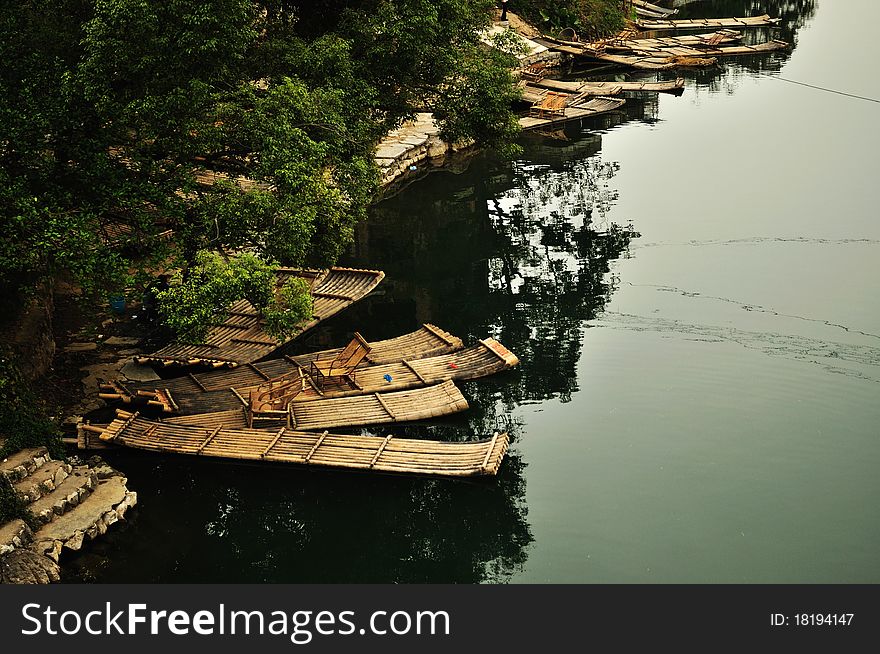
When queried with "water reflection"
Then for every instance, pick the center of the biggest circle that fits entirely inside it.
(520, 251)
(204, 521)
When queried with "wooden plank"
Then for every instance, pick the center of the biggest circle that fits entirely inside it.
(492, 350)
(238, 395)
(258, 371)
(415, 372)
(274, 441)
(384, 405)
(438, 334)
(315, 447)
(490, 450)
(380, 450)
(208, 439)
(197, 382)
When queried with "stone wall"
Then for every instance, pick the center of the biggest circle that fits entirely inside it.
(407, 150)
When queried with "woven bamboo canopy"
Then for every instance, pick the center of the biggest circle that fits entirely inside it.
(241, 338)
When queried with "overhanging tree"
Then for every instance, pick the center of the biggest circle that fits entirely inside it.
(238, 126)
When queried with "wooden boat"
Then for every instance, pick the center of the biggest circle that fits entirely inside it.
(578, 109)
(485, 358)
(702, 50)
(631, 54)
(371, 453)
(328, 413)
(650, 10)
(241, 338)
(722, 37)
(706, 23)
(427, 341)
(607, 88)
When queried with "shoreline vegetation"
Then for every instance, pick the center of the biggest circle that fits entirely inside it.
(215, 142)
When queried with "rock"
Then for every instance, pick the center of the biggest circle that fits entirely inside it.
(14, 534)
(129, 352)
(122, 341)
(415, 140)
(390, 150)
(136, 372)
(75, 542)
(27, 567)
(81, 347)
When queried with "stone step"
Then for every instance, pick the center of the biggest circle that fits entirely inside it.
(14, 534)
(27, 567)
(107, 503)
(42, 481)
(68, 494)
(19, 465)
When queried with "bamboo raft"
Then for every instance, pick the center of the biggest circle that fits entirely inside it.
(577, 111)
(721, 37)
(609, 88)
(241, 337)
(427, 341)
(659, 58)
(701, 49)
(372, 453)
(706, 23)
(488, 357)
(329, 413)
(649, 10)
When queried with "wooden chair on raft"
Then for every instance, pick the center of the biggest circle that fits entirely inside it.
(270, 400)
(343, 366)
(552, 104)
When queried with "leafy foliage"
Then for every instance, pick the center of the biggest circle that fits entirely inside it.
(236, 125)
(11, 505)
(23, 420)
(200, 299)
(589, 18)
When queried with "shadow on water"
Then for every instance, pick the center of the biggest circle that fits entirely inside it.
(207, 521)
(520, 251)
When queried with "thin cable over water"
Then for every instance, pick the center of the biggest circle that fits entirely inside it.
(821, 88)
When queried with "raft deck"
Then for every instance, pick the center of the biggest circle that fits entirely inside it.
(427, 341)
(650, 10)
(630, 53)
(329, 413)
(371, 453)
(706, 23)
(486, 358)
(581, 110)
(241, 338)
(609, 88)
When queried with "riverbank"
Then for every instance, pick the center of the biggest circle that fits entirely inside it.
(66, 504)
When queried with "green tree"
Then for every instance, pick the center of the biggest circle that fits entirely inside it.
(589, 18)
(234, 125)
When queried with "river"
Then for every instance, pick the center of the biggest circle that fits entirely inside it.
(692, 288)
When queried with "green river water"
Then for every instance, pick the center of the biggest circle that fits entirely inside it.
(694, 291)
